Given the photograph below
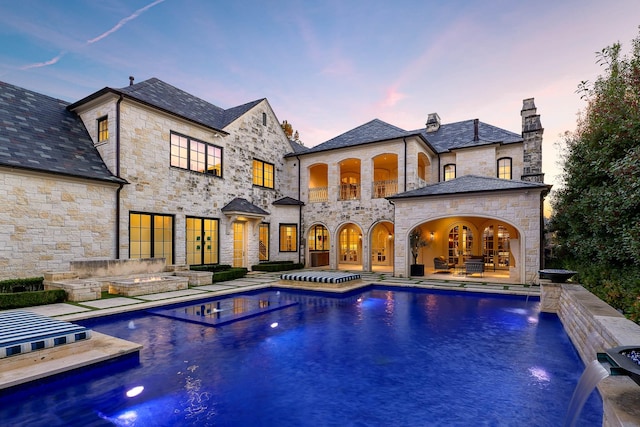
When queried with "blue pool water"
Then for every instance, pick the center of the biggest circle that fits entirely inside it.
(379, 357)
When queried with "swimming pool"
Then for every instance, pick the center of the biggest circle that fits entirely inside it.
(378, 357)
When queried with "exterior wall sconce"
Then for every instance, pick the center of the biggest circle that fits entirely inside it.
(390, 236)
(433, 235)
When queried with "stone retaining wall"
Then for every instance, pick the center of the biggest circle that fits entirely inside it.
(593, 327)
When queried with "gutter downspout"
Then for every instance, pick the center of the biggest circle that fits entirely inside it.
(395, 235)
(404, 139)
(118, 175)
(299, 212)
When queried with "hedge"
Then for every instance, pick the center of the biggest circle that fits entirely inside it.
(30, 299)
(277, 266)
(210, 267)
(21, 285)
(230, 274)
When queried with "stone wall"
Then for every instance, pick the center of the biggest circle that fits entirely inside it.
(52, 222)
(517, 209)
(593, 327)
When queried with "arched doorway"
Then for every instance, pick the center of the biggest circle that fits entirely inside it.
(496, 249)
(318, 244)
(350, 245)
(460, 244)
(382, 245)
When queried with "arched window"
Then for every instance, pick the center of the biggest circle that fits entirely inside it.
(504, 168)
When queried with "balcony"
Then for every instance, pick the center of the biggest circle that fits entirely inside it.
(318, 194)
(384, 188)
(349, 192)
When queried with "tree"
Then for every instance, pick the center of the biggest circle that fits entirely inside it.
(288, 131)
(596, 215)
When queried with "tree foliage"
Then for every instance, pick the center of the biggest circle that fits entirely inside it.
(288, 131)
(597, 210)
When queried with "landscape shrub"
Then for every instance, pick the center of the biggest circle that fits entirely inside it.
(229, 274)
(30, 299)
(210, 267)
(21, 285)
(277, 266)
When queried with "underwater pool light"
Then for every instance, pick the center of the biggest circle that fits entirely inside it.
(135, 391)
(274, 325)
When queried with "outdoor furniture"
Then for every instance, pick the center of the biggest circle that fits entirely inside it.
(440, 265)
(474, 266)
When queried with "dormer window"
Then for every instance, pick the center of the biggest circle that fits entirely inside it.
(449, 171)
(103, 128)
(504, 168)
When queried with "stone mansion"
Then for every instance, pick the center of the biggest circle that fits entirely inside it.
(150, 171)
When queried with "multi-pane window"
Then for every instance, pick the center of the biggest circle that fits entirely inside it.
(202, 241)
(504, 168)
(151, 236)
(262, 173)
(103, 129)
(198, 156)
(264, 242)
(288, 237)
(318, 238)
(449, 172)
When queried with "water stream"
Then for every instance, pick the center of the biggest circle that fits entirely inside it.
(592, 375)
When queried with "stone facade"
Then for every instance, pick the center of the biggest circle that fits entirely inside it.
(349, 190)
(52, 222)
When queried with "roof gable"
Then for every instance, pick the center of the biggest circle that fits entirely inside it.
(37, 132)
(374, 131)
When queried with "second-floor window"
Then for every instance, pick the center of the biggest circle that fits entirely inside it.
(198, 156)
(449, 172)
(103, 129)
(262, 173)
(504, 168)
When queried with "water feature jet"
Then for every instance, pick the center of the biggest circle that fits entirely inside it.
(592, 375)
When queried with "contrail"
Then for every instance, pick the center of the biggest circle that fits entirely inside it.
(44, 64)
(120, 24)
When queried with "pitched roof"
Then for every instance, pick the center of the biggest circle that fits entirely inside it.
(288, 201)
(469, 184)
(161, 95)
(461, 135)
(374, 131)
(37, 132)
(448, 137)
(243, 206)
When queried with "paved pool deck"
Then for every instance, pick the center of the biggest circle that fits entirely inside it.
(259, 280)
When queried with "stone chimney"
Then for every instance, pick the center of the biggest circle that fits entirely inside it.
(532, 135)
(433, 122)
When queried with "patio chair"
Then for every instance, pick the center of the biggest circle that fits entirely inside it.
(474, 266)
(440, 265)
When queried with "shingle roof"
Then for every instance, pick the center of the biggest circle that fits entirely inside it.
(38, 133)
(461, 135)
(448, 137)
(288, 201)
(243, 206)
(469, 184)
(373, 131)
(162, 95)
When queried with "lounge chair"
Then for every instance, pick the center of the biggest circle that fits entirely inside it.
(440, 265)
(474, 266)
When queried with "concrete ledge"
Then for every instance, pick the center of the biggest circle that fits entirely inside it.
(33, 366)
(593, 327)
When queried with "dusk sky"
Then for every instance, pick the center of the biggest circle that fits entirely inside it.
(328, 66)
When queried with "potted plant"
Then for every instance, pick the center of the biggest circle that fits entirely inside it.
(416, 242)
